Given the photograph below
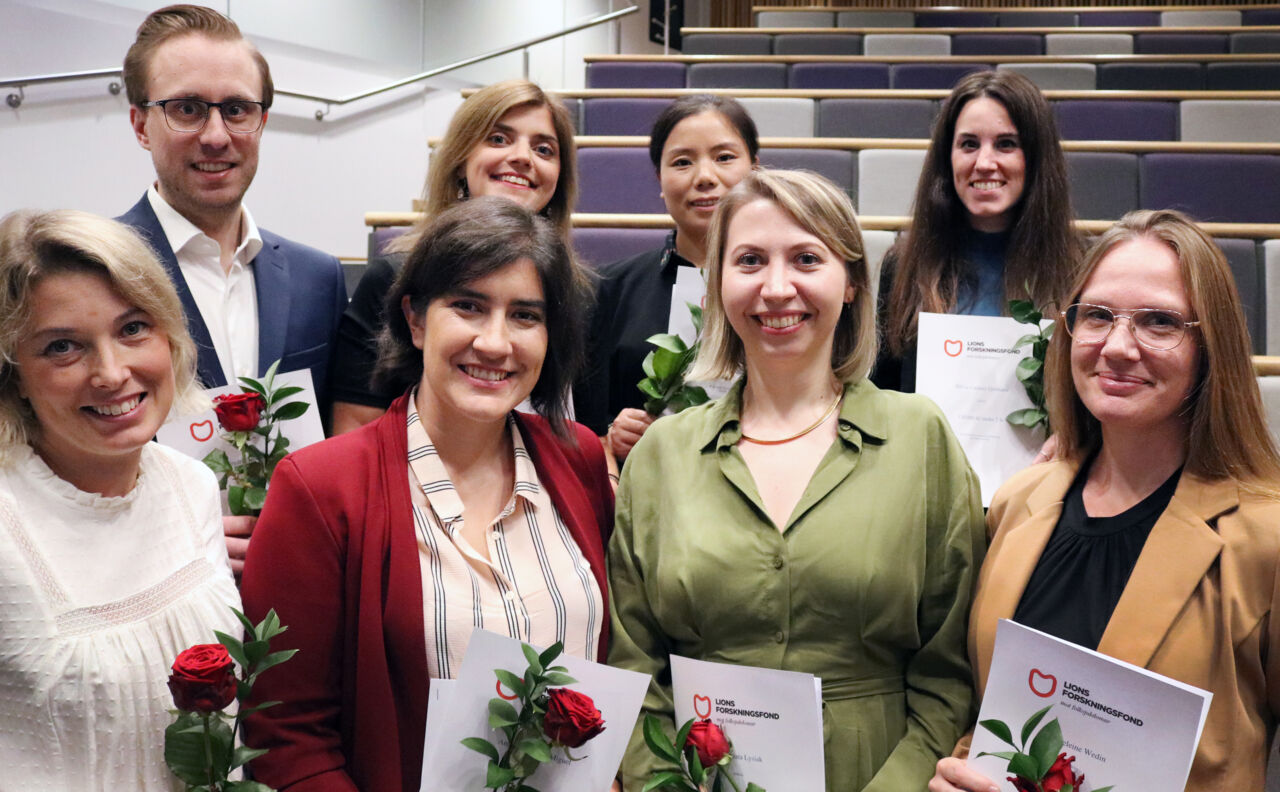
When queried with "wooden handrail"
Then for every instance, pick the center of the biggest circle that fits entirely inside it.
(1247, 57)
(1006, 9)
(1266, 365)
(894, 93)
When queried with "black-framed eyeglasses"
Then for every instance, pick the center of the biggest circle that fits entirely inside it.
(241, 116)
(1160, 329)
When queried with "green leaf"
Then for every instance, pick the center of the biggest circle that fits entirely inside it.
(1047, 332)
(655, 407)
(216, 460)
(481, 746)
(251, 385)
(696, 771)
(647, 365)
(1023, 765)
(496, 777)
(1005, 755)
(1105, 788)
(664, 779)
(1033, 722)
(184, 749)
(514, 683)
(649, 387)
(999, 728)
(558, 679)
(287, 412)
(233, 647)
(235, 499)
(254, 498)
(1046, 746)
(754, 787)
(668, 341)
(249, 630)
(657, 739)
(682, 736)
(1026, 339)
(1027, 368)
(246, 786)
(254, 651)
(280, 394)
(243, 755)
(502, 713)
(695, 311)
(1029, 417)
(1024, 311)
(275, 659)
(666, 364)
(537, 749)
(550, 654)
(535, 663)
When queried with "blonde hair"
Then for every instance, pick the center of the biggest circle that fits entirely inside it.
(822, 209)
(35, 245)
(446, 185)
(1227, 436)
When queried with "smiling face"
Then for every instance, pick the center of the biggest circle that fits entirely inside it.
(987, 164)
(519, 159)
(98, 375)
(704, 157)
(782, 288)
(203, 175)
(1125, 385)
(482, 346)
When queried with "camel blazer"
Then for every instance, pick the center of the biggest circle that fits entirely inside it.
(1197, 607)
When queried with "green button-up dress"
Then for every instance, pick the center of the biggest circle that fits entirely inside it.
(867, 586)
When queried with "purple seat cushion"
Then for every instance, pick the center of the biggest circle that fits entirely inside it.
(927, 19)
(620, 116)
(932, 75)
(618, 179)
(1260, 16)
(1038, 19)
(839, 166)
(1180, 44)
(817, 44)
(1096, 119)
(1151, 77)
(738, 75)
(838, 75)
(997, 44)
(1242, 76)
(1255, 42)
(635, 75)
(727, 44)
(1228, 188)
(598, 246)
(380, 237)
(1119, 19)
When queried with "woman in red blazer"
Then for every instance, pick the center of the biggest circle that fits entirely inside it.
(381, 548)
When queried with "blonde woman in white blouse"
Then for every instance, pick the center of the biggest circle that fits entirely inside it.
(111, 552)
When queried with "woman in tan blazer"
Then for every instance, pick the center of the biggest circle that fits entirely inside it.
(1158, 526)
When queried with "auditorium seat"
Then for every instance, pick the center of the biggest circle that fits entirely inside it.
(1151, 77)
(1269, 387)
(1239, 121)
(1244, 43)
(884, 44)
(1215, 18)
(839, 166)
(874, 245)
(876, 118)
(1057, 76)
(1269, 15)
(727, 44)
(887, 180)
(1038, 19)
(599, 246)
(1228, 188)
(1270, 259)
(927, 19)
(635, 74)
(617, 179)
(932, 75)
(820, 76)
(1120, 19)
(1242, 76)
(737, 75)
(792, 19)
(1088, 44)
(782, 117)
(1180, 44)
(1104, 184)
(1242, 255)
(817, 44)
(866, 18)
(607, 116)
(1096, 119)
(997, 44)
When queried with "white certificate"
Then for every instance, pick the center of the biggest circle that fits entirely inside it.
(773, 718)
(690, 287)
(1126, 726)
(966, 364)
(448, 766)
(197, 435)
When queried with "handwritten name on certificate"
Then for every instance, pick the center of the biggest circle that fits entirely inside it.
(773, 718)
(1127, 727)
(966, 365)
(463, 711)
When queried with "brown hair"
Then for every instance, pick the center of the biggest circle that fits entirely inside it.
(181, 20)
(1043, 248)
(472, 240)
(1227, 436)
(822, 209)
(446, 186)
(35, 245)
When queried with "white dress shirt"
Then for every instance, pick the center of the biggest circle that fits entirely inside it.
(227, 299)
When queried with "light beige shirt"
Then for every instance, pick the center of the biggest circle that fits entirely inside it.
(228, 300)
(535, 586)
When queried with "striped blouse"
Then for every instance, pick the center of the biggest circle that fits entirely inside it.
(537, 587)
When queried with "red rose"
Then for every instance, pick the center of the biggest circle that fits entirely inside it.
(709, 741)
(203, 679)
(1023, 785)
(572, 717)
(239, 412)
(1061, 774)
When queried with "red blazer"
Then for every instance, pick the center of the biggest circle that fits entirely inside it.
(335, 554)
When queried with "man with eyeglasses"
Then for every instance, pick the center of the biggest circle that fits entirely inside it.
(199, 95)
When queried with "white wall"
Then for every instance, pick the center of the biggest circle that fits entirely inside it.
(70, 145)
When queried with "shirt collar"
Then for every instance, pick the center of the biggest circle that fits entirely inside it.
(862, 414)
(670, 259)
(180, 231)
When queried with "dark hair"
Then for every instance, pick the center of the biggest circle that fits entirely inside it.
(1043, 249)
(472, 240)
(180, 20)
(687, 106)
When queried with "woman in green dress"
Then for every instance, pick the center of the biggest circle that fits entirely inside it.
(808, 521)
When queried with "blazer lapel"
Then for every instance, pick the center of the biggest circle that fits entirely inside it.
(1179, 551)
(271, 283)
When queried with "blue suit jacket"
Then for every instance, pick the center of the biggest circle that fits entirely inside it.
(301, 296)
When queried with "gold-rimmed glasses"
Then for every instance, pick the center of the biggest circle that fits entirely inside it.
(1160, 329)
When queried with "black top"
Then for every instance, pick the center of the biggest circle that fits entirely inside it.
(633, 302)
(356, 349)
(1086, 565)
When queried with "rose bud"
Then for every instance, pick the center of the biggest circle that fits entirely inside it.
(203, 679)
(239, 412)
(572, 718)
(709, 741)
(1061, 774)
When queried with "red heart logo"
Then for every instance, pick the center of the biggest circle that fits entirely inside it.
(949, 345)
(202, 427)
(1036, 675)
(701, 706)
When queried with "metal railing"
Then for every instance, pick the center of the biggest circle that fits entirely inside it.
(15, 100)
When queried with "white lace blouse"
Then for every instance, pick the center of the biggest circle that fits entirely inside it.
(97, 597)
